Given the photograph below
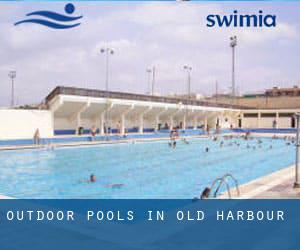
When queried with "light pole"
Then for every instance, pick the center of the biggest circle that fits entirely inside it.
(107, 51)
(217, 91)
(149, 72)
(297, 182)
(233, 44)
(188, 69)
(12, 75)
(153, 71)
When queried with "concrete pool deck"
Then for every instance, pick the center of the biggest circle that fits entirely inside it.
(277, 185)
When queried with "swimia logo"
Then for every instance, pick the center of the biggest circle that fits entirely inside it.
(240, 20)
(52, 19)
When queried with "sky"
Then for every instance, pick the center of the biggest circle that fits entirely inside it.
(144, 34)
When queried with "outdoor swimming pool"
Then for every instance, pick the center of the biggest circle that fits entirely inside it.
(147, 170)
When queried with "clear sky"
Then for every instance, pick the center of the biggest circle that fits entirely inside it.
(167, 35)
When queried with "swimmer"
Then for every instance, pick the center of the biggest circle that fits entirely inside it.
(174, 144)
(205, 193)
(185, 141)
(270, 147)
(248, 146)
(117, 185)
(207, 149)
(92, 178)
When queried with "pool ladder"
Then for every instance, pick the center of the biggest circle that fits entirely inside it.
(223, 180)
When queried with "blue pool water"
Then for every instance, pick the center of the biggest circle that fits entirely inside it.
(147, 170)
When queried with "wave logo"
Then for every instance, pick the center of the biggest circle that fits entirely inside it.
(53, 20)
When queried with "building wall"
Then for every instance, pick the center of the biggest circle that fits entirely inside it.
(266, 122)
(250, 122)
(262, 102)
(22, 124)
(284, 122)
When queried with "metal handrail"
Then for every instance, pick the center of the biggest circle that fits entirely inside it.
(235, 182)
(220, 181)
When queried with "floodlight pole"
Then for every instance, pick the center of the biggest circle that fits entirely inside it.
(297, 182)
(188, 69)
(12, 75)
(107, 51)
(233, 44)
(153, 79)
(149, 72)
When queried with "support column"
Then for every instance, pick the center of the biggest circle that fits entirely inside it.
(156, 122)
(184, 122)
(77, 116)
(205, 123)
(141, 124)
(242, 119)
(277, 120)
(101, 128)
(195, 123)
(123, 119)
(171, 122)
(78, 122)
(157, 118)
(258, 119)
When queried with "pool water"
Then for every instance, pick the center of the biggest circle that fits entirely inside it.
(146, 170)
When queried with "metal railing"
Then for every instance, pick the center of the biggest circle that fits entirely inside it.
(220, 182)
(130, 96)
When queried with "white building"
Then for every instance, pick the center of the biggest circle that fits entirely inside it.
(70, 109)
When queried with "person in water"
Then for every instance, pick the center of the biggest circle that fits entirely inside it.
(205, 193)
(185, 141)
(93, 178)
(207, 149)
(117, 185)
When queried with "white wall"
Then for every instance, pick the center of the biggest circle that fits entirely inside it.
(22, 124)
(249, 122)
(284, 122)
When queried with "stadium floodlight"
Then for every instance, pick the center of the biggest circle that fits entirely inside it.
(107, 51)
